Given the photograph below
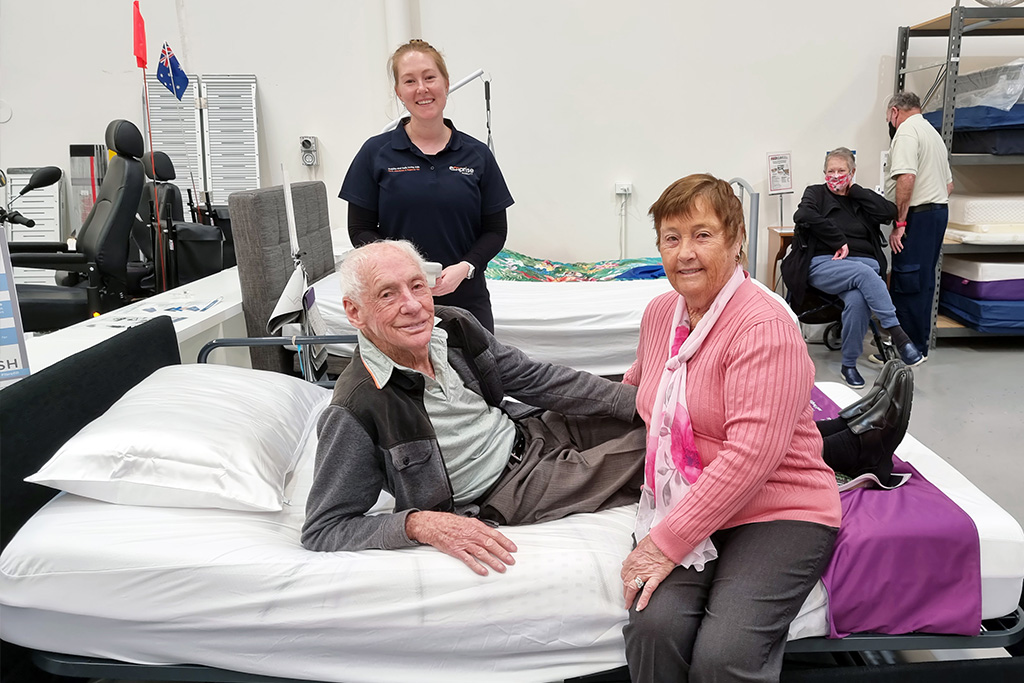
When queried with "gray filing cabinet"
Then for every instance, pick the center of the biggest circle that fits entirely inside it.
(46, 207)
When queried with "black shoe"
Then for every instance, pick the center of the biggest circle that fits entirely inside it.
(863, 405)
(851, 376)
(879, 359)
(883, 426)
(910, 355)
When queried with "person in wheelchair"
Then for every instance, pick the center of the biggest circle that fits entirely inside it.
(840, 222)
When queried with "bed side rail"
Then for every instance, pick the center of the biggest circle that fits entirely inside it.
(1001, 632)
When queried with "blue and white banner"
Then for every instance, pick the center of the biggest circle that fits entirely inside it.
(13, 356)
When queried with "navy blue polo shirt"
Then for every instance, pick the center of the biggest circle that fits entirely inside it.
(436, 202)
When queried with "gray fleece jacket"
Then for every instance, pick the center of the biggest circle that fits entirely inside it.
(374, 439)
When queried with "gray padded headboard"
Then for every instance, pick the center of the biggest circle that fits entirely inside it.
(264, 255)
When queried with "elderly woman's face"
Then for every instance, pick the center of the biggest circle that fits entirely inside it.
(838, 175)
(698, 256)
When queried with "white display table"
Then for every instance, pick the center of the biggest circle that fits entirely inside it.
(206, 309)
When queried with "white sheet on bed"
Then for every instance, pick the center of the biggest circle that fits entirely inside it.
(985, 267)
(235, 590)
(591, 326)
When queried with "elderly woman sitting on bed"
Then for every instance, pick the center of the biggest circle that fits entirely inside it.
(739, 512)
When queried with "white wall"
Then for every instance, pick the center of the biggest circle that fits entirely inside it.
(584, 93)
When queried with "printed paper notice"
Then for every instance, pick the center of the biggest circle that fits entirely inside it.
(780, 172)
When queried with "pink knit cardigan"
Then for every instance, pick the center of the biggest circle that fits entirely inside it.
(748, 392)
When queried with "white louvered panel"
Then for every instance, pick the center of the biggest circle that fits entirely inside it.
(44, 205)
(229, 120)
(177, 131)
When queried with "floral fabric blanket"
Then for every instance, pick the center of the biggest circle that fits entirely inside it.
(511, 265)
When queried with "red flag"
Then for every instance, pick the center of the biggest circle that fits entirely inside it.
(140, 37)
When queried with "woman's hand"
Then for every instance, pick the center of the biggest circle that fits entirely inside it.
(841, 253)
(649, 564)
(450, 278)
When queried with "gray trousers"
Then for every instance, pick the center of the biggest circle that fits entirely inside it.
(569, 465)
(729, 622)
(856, 281)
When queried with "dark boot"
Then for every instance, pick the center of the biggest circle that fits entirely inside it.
(883, 425)
(884, 377)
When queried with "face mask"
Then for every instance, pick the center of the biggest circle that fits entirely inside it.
(892, 131)
(837, 183)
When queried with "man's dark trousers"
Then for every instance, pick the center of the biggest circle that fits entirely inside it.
(913, 272)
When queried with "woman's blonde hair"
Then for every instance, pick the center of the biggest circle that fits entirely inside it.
(417, 45)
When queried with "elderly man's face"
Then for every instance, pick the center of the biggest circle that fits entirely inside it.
(396, 311)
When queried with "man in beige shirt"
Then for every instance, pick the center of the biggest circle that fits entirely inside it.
(918, 180)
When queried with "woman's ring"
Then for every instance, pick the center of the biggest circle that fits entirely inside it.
(639, 583)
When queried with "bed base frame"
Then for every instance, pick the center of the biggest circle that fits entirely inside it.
(116, 366)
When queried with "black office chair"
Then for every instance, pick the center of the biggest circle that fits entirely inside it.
(102, 245)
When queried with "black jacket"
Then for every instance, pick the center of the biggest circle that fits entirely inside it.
(381, 438)
(815, 218)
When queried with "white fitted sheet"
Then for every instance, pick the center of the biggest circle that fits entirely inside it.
(985, 268)
(987, 213)
(591, 326)
(235, 590)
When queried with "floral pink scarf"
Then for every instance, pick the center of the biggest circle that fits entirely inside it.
(673, 463)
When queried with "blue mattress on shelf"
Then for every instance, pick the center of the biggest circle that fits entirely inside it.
(984, 316)
(980, 118)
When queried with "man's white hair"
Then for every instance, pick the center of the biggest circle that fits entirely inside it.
(354, 265)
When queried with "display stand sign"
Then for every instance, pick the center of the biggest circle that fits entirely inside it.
(780, 173)
(13, 354)
(780, 179)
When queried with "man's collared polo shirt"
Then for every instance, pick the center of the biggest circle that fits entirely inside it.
(918, 148)
(434, 201)
(475, 438)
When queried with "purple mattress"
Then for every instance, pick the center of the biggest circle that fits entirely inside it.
(991, 290)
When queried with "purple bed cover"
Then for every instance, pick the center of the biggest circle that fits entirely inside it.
(905, 560)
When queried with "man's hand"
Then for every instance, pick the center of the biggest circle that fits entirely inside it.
(896, 239)
(649, 564)
(841, 253)
(450, 278)
(464, 538)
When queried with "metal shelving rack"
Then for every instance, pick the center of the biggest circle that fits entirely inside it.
(960, 22)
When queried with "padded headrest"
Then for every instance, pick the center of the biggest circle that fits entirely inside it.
(162, 167)
(124, 138)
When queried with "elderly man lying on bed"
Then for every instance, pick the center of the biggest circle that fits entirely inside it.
(421, 412)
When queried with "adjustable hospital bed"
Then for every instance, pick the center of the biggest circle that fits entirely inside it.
(183, 579)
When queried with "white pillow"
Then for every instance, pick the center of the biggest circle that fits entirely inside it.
(192, 436)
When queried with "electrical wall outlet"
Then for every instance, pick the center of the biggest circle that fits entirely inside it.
(624, 188)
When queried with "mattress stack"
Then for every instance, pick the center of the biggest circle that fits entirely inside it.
(985, 292)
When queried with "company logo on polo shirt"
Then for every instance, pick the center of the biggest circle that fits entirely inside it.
(402, 169)
(464, 170)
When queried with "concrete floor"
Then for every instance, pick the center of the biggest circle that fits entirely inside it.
(968, 407)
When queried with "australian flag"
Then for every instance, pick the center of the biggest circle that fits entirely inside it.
(170, 72)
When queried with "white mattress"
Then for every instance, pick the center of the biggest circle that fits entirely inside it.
(591, 326)
(986, 268)
(235, 590)
(971, 237)
(987, 213)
